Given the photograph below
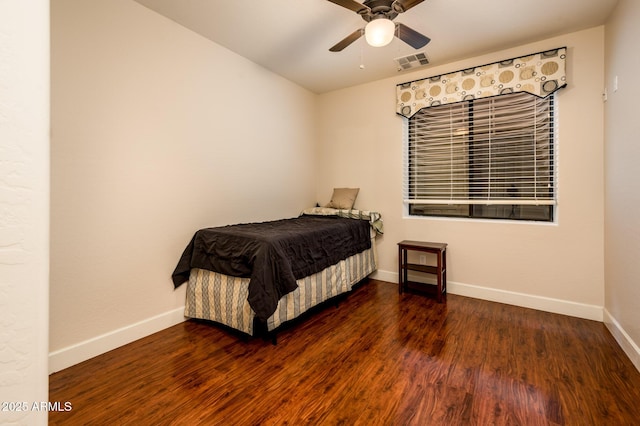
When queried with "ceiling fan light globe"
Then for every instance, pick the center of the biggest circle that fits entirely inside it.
(379, 32)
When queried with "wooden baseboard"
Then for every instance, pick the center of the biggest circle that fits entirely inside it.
(75, 354)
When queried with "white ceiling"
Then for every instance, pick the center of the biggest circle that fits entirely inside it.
(292, 37)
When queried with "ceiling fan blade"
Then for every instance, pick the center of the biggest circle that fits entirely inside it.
(411, 37)
(404, 5)
(352, 5)
(347, 40)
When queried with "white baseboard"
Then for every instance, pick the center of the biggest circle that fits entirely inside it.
(546, 304)
(75, 354)
(391, 277)
(624, 340)
(579, 310)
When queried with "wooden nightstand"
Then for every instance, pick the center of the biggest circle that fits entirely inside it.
(440, 270)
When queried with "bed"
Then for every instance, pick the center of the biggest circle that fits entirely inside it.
(255, 277)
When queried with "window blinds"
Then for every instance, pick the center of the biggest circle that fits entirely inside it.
(496, 150)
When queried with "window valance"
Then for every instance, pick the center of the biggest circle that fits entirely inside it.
(539, 74)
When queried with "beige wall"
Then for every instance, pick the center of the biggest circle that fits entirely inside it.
(150, 123)
(24, 208)
(156, 132)
(556, 267)
(622, 178)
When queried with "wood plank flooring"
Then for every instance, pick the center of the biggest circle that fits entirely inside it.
(379, 358)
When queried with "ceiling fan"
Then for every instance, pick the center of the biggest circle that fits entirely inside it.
(380, 28)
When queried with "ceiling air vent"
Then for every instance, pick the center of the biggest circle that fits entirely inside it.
(412, 61)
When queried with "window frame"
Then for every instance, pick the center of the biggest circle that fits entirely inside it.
(522, 210)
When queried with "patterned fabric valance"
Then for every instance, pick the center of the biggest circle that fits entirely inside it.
(539, 74)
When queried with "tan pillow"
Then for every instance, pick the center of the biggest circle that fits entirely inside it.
(343, 198)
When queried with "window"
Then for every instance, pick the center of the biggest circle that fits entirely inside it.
(491, 158)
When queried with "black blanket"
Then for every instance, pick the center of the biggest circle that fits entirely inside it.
(273, 254)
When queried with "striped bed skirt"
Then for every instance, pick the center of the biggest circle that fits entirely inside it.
(223, 298)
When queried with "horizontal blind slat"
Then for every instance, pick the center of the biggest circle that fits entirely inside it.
(496, 149)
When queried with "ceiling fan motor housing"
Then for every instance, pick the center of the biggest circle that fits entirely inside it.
(380, 9)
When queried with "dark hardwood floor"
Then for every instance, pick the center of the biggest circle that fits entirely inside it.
(379, 358)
